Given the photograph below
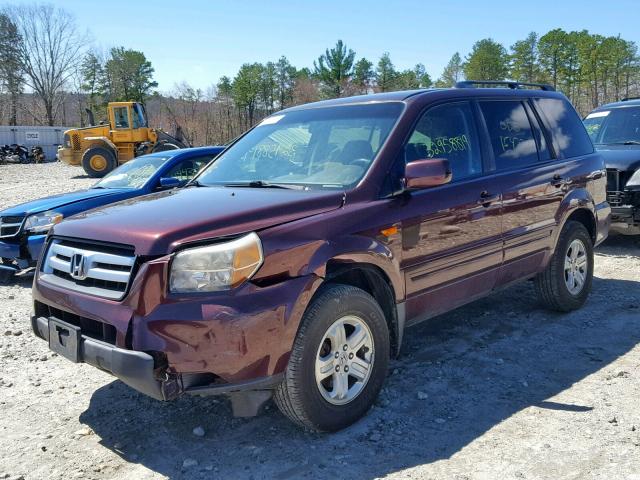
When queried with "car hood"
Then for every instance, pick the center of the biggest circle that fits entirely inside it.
(621, 157)
(57, 201)
(156, 224)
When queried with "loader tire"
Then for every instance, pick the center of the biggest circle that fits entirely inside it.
(98, 161)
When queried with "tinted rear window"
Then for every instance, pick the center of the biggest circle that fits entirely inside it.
(568, 133)
(510, 132)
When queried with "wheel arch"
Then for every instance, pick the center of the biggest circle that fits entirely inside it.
(577, 206)
(373, 280)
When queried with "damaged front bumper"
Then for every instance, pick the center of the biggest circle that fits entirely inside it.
(24, 250)
(136, 369)
(140, 371)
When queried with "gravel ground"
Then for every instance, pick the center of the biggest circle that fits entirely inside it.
(499, 389)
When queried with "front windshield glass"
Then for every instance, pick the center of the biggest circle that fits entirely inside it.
(618, 126)
(133, 174)
(330, 147)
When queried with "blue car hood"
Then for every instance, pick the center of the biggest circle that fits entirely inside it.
(620, 157)
(57, 201)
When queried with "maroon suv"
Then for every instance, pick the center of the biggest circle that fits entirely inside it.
(293, 264)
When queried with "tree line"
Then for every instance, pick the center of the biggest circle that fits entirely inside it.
(50, 75)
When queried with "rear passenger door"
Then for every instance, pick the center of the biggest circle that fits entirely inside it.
(531, 180)
(451, 234)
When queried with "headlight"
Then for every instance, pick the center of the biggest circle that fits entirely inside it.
(634, 181)
(216, 267)
(42, 222)
(67, 141)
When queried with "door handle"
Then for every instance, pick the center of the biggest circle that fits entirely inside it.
(487, 198)
(595, 175)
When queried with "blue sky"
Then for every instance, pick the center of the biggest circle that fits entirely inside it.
(199, 41)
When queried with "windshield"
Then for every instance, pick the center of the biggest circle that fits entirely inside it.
(329, 147)
(618, 126)
(133, 174)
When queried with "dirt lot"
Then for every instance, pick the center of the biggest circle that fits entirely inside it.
(500, 389)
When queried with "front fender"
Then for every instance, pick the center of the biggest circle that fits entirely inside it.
(358, 249)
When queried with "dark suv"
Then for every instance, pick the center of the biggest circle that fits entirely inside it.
(615, 131)
(293, 264)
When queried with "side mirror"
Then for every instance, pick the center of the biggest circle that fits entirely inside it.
(429, 172)
(169, 182)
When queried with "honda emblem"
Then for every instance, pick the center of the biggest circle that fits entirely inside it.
(78, 270)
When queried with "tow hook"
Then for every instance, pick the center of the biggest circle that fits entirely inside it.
(171, 386)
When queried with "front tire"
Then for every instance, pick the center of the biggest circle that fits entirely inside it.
(566, 282)
(98, 161)
(339, 360)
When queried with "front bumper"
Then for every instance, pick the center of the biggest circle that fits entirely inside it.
(68, 156)
(136, 369)
(25, 252)
(140, 371)
(228, 338)
(626, 220)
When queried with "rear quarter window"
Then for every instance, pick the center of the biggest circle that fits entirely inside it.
(569, 135)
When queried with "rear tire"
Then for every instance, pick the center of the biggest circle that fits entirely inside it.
(98, 161)
(343, 328)
(566, 282)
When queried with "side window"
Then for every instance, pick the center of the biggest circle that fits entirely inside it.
(135, 120)
(121, 117)
(510, 134)
(568, 132)
(447, 131)
(187, 169)
(544, 153)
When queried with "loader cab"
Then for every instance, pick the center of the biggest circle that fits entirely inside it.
(128, 122)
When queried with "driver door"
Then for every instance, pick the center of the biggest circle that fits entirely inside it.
(452, 244)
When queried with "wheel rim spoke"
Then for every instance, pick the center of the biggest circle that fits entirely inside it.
(357, 338)
(359, 369)
(337, 335)
(340, 386)
(325, 367)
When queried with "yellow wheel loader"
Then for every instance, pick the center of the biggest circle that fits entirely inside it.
(101, 148)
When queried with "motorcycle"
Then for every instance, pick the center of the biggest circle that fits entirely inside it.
(36, 155)
(17, 154)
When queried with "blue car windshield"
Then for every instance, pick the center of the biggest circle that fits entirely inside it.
(133, 174)
(325, 148)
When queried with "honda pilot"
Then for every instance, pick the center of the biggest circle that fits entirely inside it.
(294, 265)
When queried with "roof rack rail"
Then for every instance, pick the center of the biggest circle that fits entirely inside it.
(506, 83)
(626, 99)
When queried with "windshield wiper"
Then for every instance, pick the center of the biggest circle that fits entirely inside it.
(628, 142)
(195, 183)
(263, 184)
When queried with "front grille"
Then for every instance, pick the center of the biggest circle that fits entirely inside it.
(88, 327)
(616, 182)
(95, 269)
(75, 140)
(10, 226)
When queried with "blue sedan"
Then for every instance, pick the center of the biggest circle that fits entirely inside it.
(23, 228)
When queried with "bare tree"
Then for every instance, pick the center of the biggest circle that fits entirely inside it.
(51, 51)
